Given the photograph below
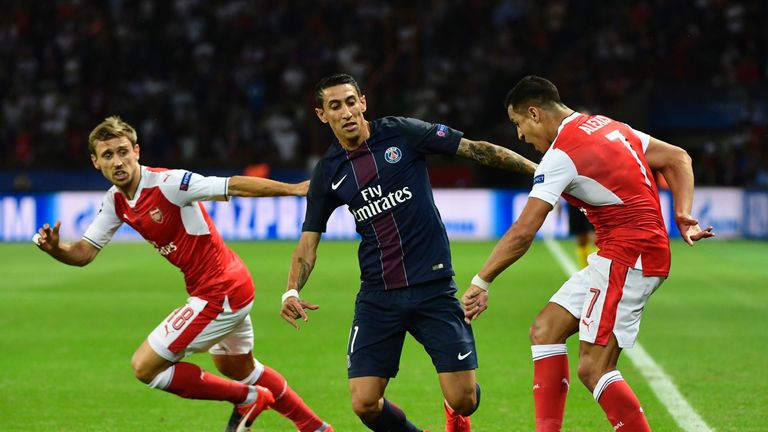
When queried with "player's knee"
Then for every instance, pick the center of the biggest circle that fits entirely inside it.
(142, 373)
(236, 371)
(464, 405)
(142, 370)
(589, 373)
(465, 399)
(540, 333)
(366, 408)
(238, 367)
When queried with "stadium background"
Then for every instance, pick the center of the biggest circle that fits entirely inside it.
(226, 87)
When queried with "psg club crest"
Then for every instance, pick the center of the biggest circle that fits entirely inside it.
(156, 215)
(393, 155)
(441, 130)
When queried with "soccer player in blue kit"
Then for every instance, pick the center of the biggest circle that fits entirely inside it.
(378, 169)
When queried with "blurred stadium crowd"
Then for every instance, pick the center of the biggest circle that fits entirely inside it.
(223, 84)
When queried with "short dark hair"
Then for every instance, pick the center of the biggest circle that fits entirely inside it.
(330, 81)
(532, 90)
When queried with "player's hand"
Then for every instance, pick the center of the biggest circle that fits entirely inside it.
(475, 301)
(293, 309)
(47, 238)
(302, 188)
(690, 229)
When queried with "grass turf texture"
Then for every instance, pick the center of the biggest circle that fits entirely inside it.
(68, 335)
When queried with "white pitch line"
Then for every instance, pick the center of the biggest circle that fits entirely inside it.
(661, 384)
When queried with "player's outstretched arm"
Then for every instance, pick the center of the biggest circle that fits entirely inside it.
(495, 156)
(512, 245)
(247, 186)
(77, 254)
(302, 263)
(675, 165)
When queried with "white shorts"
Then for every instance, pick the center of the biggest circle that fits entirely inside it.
(607, 298)
(199, 326)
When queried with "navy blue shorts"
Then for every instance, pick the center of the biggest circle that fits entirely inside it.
(429, 311)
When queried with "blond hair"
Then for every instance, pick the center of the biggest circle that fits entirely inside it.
(111, 127)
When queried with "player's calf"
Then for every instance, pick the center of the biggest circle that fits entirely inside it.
(390, 419)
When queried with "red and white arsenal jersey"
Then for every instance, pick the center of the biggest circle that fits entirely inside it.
(598, 164)
(166, 211)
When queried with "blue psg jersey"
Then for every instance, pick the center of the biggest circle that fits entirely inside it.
(386, 186)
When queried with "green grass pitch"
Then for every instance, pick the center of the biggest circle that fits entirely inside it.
(68, 334)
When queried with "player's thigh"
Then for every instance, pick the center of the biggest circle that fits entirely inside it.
(238, 341)
(614, 302)
(377, 335)
(436, 320)
(194, 327)
(553, 325)
(233, 355)
(572, 293)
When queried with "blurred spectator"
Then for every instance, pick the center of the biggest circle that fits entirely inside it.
(228, 83)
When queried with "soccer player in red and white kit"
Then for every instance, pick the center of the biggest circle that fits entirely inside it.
(164, 207)
(606, 168)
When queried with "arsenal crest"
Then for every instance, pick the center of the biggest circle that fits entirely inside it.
(156, 215)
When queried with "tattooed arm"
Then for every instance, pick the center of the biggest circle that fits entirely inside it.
(495, 156)
(302, 263)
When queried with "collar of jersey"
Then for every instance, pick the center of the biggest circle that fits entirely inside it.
(570, 117)
(139, 188)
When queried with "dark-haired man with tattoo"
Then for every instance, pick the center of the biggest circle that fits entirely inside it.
(378, 169)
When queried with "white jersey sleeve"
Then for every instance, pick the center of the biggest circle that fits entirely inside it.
(645, 139)
(555, 172)
(101, 230)
(184, 187)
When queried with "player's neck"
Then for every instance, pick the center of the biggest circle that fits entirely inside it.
(556, 117)
(560, 113)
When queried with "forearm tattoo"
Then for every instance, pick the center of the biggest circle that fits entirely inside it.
(495, 156)
(303, 275)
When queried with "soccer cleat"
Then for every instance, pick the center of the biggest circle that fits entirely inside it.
(234, 420)
(249, 412)
(455, 422)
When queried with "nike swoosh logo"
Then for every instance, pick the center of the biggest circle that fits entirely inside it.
(241, 427)
(336, 185)
(463, 356)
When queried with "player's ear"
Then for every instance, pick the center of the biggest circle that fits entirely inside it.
(532, 112)
(321, 115)
(93, 160)
(363, 103)
(136, 150)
